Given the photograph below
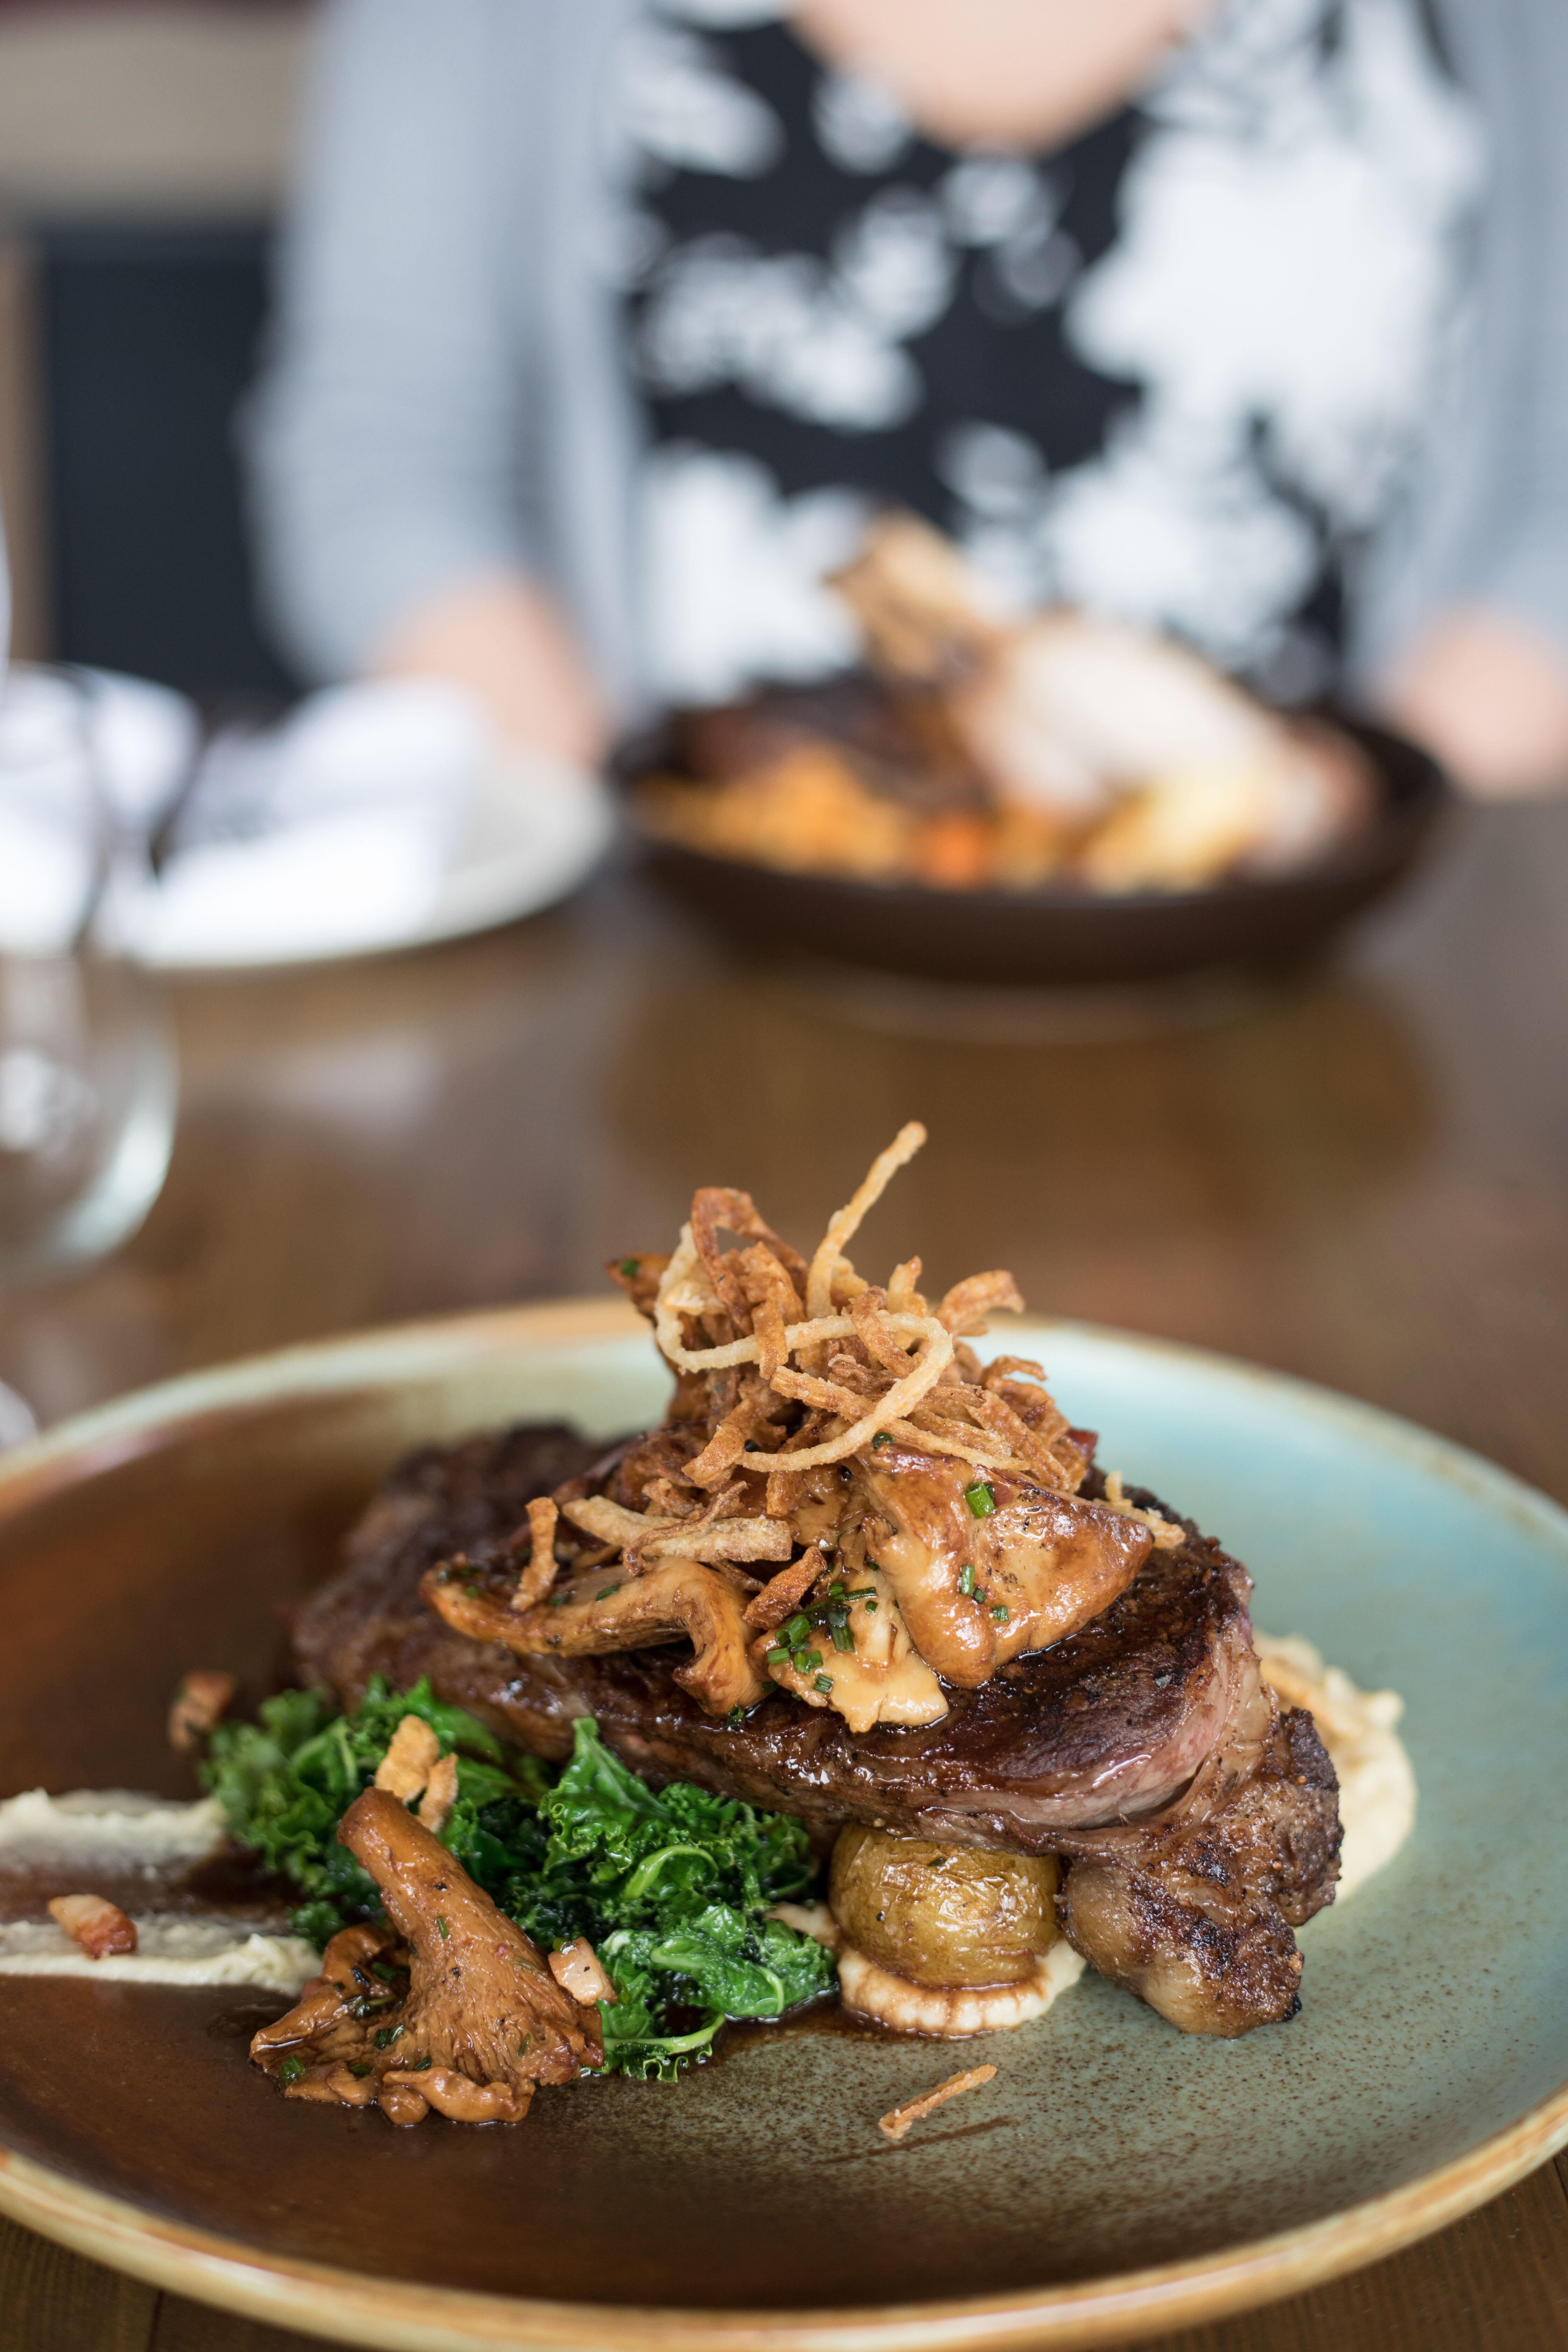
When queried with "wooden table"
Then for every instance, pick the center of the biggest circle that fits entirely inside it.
(1362, 1178)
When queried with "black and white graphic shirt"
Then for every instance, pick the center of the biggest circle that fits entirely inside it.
(1172, 371)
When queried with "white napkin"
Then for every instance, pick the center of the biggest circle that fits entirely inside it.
(321, 836)
(144, 737)
(373, 816)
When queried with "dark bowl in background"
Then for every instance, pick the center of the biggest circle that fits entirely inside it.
(1065, 937)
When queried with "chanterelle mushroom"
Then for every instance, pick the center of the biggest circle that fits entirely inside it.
(479, 2021)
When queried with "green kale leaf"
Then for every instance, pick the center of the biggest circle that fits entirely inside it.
(671, 1887)
(284, 1784)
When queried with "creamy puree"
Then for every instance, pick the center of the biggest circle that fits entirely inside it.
(94, 1835)
(173, 1950)
(107, 1826)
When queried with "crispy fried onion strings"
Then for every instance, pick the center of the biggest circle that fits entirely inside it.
(784, 1369)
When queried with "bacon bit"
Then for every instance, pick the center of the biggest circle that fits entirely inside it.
(99, 1927)
(406, 1767)
(440, 1795)
(579, 1971)
(896, 2123)
(198, 1704)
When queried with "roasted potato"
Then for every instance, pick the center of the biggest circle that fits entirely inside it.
(942, 1915)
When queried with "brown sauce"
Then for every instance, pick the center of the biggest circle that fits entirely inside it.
(231, 1881)
(825, 2016)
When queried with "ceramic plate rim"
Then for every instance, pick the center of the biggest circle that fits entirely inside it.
(322, 2300)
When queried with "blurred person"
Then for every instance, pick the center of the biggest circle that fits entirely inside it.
(603, 327)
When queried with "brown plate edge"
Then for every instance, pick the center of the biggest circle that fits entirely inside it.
(349, 2307)
(320, 2300)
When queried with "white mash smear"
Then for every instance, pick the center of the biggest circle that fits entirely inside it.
(122, 1833)
(170, 1950)
(1377, 1785)
(114, 1828)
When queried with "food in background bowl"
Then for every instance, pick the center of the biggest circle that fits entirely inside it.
(976, 753)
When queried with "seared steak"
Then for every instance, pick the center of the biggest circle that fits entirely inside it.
(1194, 1914)
(1200, 1826)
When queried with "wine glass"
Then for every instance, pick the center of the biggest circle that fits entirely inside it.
(88, 1076)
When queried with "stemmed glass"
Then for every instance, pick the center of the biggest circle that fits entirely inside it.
(87, 1078)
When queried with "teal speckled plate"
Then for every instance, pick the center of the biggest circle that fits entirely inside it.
(1115, 2179)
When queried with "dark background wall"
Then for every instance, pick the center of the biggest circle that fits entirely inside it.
(145, 149)
(149, 341)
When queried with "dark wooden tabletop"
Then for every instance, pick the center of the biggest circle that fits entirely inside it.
(1361, 1177)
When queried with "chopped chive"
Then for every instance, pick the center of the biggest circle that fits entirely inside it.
(628, 1267)
(776, 1657)
(813, 1658)
(737, 1714)
(796, 1629)
(822, 1682)
(871, 1605)
(387, 2037)
(605, 1590)
(421, 2064)
(981, 1499)
(1000, 1614)
(882, 1438)
(523, 2044)
(442, 1924)
(843, 1639)
(966, 1582)
(360, 2072)
(292, 2069)
(385, 1971)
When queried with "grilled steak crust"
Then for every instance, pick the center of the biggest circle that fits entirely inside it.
(1109, 1726)
(438, 1499)
(1194, 1914)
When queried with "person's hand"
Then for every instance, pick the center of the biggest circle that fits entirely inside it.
(503, 639)
(1489, 698)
